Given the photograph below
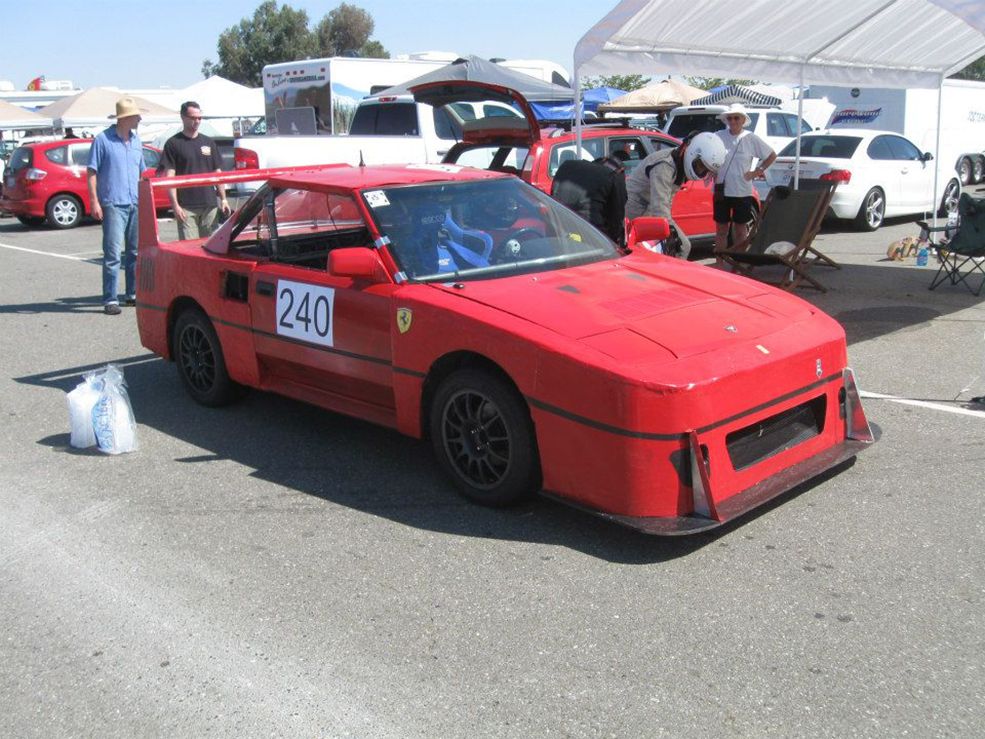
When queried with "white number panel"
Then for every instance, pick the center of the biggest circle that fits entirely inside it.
(305, 312)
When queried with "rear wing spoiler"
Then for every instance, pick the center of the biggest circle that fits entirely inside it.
(148, 233)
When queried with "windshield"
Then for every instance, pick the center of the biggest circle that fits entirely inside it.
(824, 147)
(481, 229)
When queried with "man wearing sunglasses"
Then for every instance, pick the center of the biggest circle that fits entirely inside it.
(734, 201)
(192, 152)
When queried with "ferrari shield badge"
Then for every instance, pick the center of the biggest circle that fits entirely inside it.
(404, 317)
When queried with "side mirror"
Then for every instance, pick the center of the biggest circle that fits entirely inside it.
(647, 228)
(927, 156)
(357, 262)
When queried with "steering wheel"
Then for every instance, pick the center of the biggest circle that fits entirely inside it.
(510, 249)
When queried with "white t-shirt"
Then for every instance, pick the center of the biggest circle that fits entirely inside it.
(739, 153)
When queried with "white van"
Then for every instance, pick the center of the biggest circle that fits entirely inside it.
(774, 126)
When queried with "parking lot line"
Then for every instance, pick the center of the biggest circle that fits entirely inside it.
(924, 404)
(46, 253)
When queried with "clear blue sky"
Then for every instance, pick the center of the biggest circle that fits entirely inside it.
(141, 44)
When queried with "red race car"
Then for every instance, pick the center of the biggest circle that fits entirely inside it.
(471, 309)
(46, 182)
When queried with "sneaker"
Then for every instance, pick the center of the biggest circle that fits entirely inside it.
(129, 302)
(112, 309)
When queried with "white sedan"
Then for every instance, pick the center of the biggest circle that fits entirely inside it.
(879, 174)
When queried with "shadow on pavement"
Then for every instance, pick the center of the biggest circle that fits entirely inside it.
(364, 467)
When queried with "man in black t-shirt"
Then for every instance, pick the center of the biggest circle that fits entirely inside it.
(596, 191)
(191, 152)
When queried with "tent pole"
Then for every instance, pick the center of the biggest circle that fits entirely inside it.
(937, 145)
(577, 111)
(800, 117)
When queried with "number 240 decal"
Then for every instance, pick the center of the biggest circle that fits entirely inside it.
(305, 312)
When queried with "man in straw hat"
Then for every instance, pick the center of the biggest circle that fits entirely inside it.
(733, 199)
(116, 160)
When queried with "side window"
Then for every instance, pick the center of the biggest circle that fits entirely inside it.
(58, 155)
(879, 149)
(776, 125)
(751, 125)
(463, 111)
(805, 127)
(151, 158)
(656, 144)
(397, 119)
(591, 149)
(445, 126)
(903, 149)
(79, 154)
(627, 149)
(496, 111)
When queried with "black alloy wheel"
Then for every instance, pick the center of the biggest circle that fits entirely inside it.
(202, 368)
(484, 439)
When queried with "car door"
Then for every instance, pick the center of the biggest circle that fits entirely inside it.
(884, 171)
(916, 175)
(78, 160)
(319, 337)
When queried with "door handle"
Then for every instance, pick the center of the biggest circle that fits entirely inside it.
(265, 288)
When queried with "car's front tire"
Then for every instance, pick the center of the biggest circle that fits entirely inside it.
(63, 211)
(872, 212)
(484, 438)
(201, 365)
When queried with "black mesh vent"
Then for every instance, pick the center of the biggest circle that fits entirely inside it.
(776, 434)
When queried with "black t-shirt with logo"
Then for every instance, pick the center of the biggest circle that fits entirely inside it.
(192, 156)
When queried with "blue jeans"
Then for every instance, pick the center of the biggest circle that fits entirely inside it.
(119, 231)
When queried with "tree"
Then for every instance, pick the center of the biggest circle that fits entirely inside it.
(345, 31)
(272, 35)
(707, 83)
(627, 82)
(974, 71)
(281, 34)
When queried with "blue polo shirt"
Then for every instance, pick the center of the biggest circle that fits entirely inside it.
(117, 164)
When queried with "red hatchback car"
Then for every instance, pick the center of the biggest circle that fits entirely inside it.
(45, 182)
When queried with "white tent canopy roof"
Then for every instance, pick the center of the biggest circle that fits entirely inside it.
(222, 98)
(865, 43)
(95, 106)
(14, 117)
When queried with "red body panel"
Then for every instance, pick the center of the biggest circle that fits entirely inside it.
(621, 362)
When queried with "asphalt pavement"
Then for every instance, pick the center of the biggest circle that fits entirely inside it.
(269, 569)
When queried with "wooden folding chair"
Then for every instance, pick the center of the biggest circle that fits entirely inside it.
(792, 216)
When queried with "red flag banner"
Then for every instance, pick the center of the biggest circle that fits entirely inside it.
(35, 84)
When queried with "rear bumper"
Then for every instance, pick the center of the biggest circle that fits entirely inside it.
(22, 207)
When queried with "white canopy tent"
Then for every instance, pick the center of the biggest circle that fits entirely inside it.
(856, 43)
(15, 118)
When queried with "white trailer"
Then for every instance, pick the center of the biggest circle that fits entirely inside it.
(913, 113)
(319, 96)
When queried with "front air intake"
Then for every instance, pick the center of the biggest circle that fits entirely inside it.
(776, 434)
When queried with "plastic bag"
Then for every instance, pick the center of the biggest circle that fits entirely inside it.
(100, 413)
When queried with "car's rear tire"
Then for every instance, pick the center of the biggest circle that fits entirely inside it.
(63, 211)
(484, 439)
(949, 202)
(32, 221)
(965, 170)
(872, 212)
(201, 365)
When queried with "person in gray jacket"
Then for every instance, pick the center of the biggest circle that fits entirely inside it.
(651, 187)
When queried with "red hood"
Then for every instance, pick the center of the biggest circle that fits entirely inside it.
(620, 307)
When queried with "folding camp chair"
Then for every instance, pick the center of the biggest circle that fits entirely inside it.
(963, 254)
(788, 217)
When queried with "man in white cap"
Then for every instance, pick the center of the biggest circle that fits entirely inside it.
(734, 201)
(116, 160)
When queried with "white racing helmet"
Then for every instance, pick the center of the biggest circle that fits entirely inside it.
(707, 147)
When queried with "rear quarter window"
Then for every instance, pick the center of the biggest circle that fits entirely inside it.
(58, 155)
